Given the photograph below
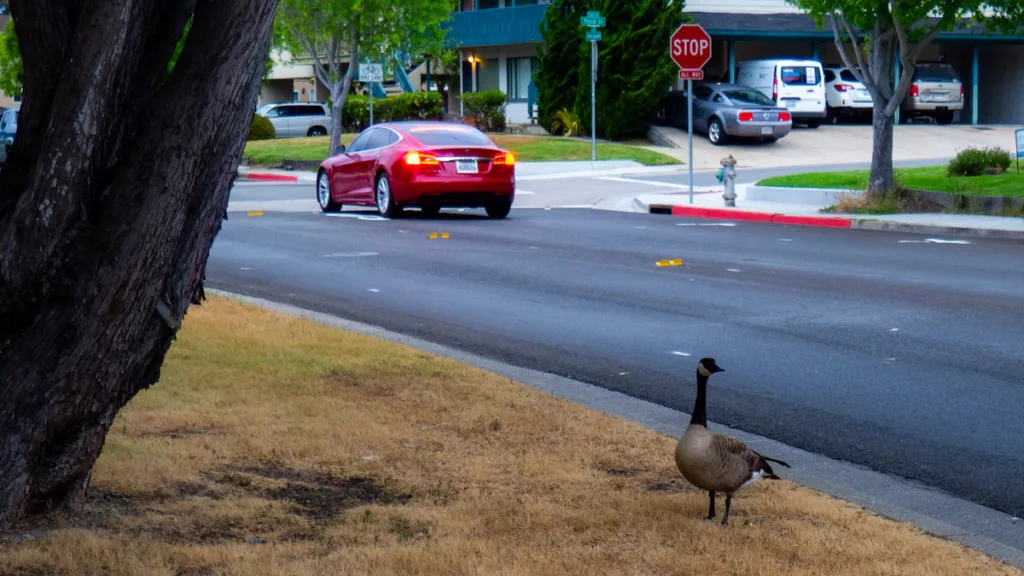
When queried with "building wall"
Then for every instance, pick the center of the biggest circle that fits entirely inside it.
(1001, 83)
(492, 72)
(742, 6)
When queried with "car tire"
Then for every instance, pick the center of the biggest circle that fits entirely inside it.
(499, 208)
(323, 194)
(943, 117)
(317, 131)
(832, 116)
(384, 196)
(716, 133)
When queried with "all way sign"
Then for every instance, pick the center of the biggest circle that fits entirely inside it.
(690, 49)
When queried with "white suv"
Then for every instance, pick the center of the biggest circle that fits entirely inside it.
(297, 119)
(845, 95)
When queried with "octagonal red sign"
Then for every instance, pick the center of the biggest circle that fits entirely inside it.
(690, 47)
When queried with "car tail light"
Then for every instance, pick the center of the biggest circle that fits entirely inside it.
(417, 159)
(508, 159)
(840, 87)
(785, 117)
(775, 88)
(914, 91)
(961, 91)
(746, 116)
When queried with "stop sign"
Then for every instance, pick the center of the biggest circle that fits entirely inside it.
(690, 47)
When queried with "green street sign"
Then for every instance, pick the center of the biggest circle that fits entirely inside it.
(593, 21)
(593, 35)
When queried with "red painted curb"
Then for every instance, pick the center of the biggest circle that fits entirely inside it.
(270, 177)
(721, 214)
(819, 221)
(727, 214)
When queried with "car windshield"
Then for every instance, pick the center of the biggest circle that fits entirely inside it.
(935, 74)
(445, 136)
(748, 98)
(848, 76)
(263, 109)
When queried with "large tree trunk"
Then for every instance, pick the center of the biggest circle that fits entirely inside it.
(882, 180)
(109, 202)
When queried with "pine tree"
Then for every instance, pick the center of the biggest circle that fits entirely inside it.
(634, 68)
(559, 59)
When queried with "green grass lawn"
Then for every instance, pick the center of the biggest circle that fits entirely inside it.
(930, 178)
(526, 149)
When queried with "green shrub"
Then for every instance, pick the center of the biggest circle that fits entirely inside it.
(261, 129)
(975, 161)
(487, 109)
(410, 106)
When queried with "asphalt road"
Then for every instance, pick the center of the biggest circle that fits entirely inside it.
(903, 357)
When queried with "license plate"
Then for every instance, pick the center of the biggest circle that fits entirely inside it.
(766, 130)
(940, 96)
(466, 166)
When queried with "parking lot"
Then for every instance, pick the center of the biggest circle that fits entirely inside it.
(837, 144)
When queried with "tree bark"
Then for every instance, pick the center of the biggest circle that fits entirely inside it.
(109, 203)
(882, 179)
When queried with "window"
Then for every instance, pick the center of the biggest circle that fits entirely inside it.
(718, 98)
(379, 139)
(749, 98)
(829, 75)
(848, 76)
(800, 75)
(701, 92)
(487, 75)
(935, 74)
(486, 4)
(274, 113)
(454, 136)
(520, 74)
(359, 144)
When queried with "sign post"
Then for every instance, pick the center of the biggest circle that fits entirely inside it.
(369, 74)
(690, 49)
(594, 21)
(1020, 146)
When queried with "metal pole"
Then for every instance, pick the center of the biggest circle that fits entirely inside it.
(372, 84)
(593, 101)
(689, 129)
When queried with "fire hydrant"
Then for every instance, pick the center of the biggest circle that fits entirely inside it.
(728, 179)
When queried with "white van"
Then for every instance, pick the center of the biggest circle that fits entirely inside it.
(791, 83)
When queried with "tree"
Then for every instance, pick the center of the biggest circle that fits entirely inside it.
(11, 70)
(876, 31)
(333, 33)
(557, 77)
(112, 195)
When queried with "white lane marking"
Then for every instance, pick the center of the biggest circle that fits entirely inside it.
(351, 254)
(641, 227)
(678, 353)
(725, 224)
(534, 247)
(374, 290)
(244, 268)
(785, 239)
(645, 182)
(524, 193)
(355, 215)
(934, 241)
(894, 330)
(733, 270)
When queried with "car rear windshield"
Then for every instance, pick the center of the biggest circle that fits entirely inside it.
(432, 136)
(748, 98)
(935, 74)
(848, 76)
(800, 75)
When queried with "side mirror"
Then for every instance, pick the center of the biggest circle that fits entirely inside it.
(339, 150)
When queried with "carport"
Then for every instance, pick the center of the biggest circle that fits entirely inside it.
(991, 67)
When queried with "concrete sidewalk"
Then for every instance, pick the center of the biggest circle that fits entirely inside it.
(708, 203)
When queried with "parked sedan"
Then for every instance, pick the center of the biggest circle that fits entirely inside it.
(429, 165)
(724, 111)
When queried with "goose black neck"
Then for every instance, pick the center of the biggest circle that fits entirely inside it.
(700, 407)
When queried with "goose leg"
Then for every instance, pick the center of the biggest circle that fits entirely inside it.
(711, 506)
(728, 504)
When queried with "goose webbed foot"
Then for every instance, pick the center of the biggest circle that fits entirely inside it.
(711, 506)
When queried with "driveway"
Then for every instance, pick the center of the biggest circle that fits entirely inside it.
(838, 145)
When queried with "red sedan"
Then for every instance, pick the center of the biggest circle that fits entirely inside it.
(430, 165)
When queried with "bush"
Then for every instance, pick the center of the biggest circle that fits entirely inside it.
(487, 109)
(261, 129)
(410, 106)
(975, 161)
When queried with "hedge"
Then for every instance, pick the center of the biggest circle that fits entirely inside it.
(261, 129)
(409, 106)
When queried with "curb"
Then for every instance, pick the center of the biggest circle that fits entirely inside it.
(267, 177)
(834, 222)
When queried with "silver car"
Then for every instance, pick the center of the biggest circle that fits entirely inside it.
(724, 111)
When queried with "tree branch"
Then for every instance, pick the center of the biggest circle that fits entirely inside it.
(854, 34)
(908, 58)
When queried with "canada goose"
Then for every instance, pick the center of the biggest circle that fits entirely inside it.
(716, 462)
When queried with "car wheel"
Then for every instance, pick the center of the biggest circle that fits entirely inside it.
(831, 116)
(385, 199)
(430, 209)
(716, 134)
(317, 131)
(499, 208)
(323, 194)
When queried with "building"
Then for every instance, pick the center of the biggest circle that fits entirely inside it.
(496, 40)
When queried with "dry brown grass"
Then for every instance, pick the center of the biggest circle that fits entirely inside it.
(274, 445)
